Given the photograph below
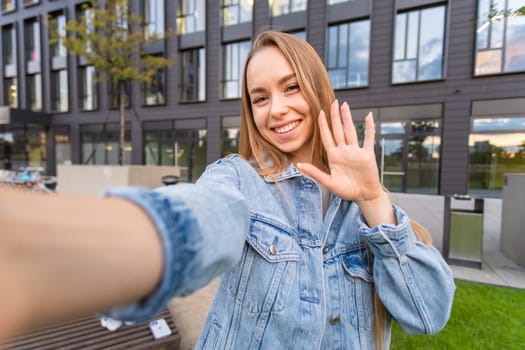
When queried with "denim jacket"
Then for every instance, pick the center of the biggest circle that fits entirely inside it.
(290, 278)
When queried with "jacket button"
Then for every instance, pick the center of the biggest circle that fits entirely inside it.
(325, 250)
(335, 320)
(273, 249)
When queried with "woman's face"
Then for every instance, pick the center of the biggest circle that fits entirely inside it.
(281, 112)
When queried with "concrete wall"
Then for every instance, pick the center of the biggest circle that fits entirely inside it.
(92, 179)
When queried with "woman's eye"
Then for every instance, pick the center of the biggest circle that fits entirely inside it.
(258, 100)
(292, 87)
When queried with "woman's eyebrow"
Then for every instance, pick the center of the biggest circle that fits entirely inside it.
(281, 81)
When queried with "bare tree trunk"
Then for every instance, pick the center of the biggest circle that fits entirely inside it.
(122, 105)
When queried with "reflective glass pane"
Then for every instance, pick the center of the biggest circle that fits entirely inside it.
(359, 54)
(393, 164)
(431, 38)
(488, 62)
(399, 41)
(412, 34)
(392, 128)
(404, 71)
(332, 46)
(498, 124)
(342, 59)
(515, 40)
(423, 164)
(230, 141)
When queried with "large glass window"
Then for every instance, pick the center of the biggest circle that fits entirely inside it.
(32, 40)
(9, 45)
(8, 5)
(180, 143)
(409, 156)
(100, 143)
(231, 127)
(57, 24)
(11, 92)
(154, 91)
(284, 7)
(34, 92)
(22, 146)
(87, 88)
(154, 27)
(62, 145)
(236, 11)
(419, 45)
(497, 146)
(193, 75)
(234, 57)
(191, 16)
(59, 91)
(348, 54)
(500, 37)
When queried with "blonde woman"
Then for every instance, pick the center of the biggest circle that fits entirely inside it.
(311, 252)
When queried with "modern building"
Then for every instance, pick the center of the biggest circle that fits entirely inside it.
(444, 79)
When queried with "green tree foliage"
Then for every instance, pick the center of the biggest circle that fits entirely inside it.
(111, 38)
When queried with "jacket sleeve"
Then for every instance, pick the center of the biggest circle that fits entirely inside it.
(412, 279)
(202, 227)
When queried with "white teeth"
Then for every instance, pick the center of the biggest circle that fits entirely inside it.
(287, 127)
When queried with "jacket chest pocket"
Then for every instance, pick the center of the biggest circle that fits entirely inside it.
(262, 279)
(359, 287)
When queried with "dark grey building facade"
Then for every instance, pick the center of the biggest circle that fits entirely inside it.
(444, 79)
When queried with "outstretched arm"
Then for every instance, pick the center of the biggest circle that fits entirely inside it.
(65, 256)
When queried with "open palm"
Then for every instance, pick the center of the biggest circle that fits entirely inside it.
(353, 169)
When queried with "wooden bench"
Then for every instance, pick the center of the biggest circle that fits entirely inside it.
(88, 333)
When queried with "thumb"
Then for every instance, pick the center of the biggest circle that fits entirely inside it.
(314, 172)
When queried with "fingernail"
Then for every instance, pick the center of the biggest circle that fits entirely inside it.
(299, 165)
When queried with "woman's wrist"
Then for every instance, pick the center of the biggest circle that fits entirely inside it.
(378, 211)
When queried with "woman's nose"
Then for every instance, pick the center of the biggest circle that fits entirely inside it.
(279, 105)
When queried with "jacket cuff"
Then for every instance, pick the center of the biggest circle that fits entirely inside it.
(173, 221)
(388, 239)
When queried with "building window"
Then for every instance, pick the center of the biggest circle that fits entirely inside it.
(9, 44)
(419, 45)
(30, 2)
(87, 88)
(32, 40)
(34, 92)
(8, 5)
(236, 11)
(154, 27)
(181, 143)
(57, 25)
(333, 2)
(348, 54)
(100, 143)
(231, 127)
(193, 75)
(409, 156)
(62, 145)
(497, 146)
(59, 91)
(9, 58)
(234, 56)
(154, 91)
(11, 92)
(500, 37)
(85, 15)
(284, 7)
(191, 16)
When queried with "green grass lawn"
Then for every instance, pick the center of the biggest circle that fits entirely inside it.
(483, 317)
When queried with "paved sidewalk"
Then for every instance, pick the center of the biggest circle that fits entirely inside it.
(497, 269)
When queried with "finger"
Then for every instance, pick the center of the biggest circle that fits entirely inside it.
(316, 174)
(370, 132)
(349, 128)
(326, 135)
(337, 125)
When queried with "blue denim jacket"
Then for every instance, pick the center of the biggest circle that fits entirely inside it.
(291, 279)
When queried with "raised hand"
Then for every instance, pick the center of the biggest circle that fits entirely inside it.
(353, 169)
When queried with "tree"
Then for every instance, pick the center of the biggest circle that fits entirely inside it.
(111, 38)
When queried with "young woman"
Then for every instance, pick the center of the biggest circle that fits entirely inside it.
(313, 254)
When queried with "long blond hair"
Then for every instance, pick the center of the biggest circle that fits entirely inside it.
(316, 87)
